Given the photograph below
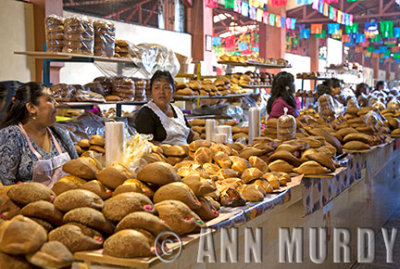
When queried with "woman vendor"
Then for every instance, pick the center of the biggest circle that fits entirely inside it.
(158, 117)
(282, 95)
(31, 149)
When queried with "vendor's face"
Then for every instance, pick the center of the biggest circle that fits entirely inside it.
(162, 92)
(45, 110)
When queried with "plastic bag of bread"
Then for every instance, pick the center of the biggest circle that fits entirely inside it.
(393, 104)
(124, 88)
(352, 106)
(88, 96)
(78, 35)
(54, 30)
(140, 90)
(63, 92)
(286, 126)
(136, 148)
(104, 38)
(326, 107)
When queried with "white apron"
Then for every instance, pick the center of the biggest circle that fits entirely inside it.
(47, 172)
(176, 129)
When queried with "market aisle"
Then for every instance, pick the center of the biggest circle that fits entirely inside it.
(380, 251)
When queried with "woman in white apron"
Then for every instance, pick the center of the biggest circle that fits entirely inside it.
(159, 118)
(30, 149)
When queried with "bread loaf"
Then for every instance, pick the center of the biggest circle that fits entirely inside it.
(134, 185)
(251, 174)
(323, 159)
(358, 137)
(114, 175)
(200, 186)
(178, 216)
(206, 211)
(67, 183)
(239, 164)
(98, 188)
(265, 185)
(158, 173)
(142, 220)
(45, 224)
(177, 151)
(222, 159)
(52, 254)
(129, 244)
(117, 207)
(311, 168)
(97, 140)
(203, 155)
(25, 193)
(43, 210)
(286, 156)
(199, 143)
(89, 217)
(356, 145)
(69, 200)
(251, 193)
(13, 262)
(83, 167)
(72, 237)
(280, 166)
(210, 168)
(177, 191)
(221, 147)
(258, 163)
(21, 235)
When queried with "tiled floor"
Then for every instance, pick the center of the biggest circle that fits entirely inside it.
(380, 249)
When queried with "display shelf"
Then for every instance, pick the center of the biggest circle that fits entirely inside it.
(90, 105)
(194, 97)
(216, 117)
(255, 86)
(254, 64)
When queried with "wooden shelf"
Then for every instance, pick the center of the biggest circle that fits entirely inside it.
(73, 57)
(83, 104)
(255, 86)
(193, 97)
(217, 117)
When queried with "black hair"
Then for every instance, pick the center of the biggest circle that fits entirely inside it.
(332, 83)
(359, 88)
(3, 92)
(379, 83)
(282, 86)
(164, 75)
(323, 89)
(17, 111)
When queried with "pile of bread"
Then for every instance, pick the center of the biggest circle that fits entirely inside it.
(104, 38)
(252, 59)
(207, 87)
(121, 49)
(91, 147)
(102, 89)
(250, 78)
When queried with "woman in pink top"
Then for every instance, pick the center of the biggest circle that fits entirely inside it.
(282, 95)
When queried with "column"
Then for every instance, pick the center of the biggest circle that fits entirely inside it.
(42, 9)
(272, 40)
(375, 66)
(200, 25)
(388, 70)
(169, 14)
(397, 71)
(313, 52)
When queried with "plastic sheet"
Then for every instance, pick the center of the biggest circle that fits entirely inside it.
(54, 30)
(78, 35)
(88, 96)
(104, 38)
(286, 126)
(124, 88)
(63, 92)
(87, 125)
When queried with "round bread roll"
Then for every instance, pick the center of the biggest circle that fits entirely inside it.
(114, 175)
(199, 143)
(67, 183)
(265, 185)
(197, 122)
(91, 218)
(142, 220)
(72, 237)
(211, 168)
(239, 164)
(222, 159)
(21, 235)
(87, 230)
(52, 254)
(97, 140)
(72, 199)
(221, 147)
(175, 150)
(225, 173)
(251, 193)
(28, 192)
(43, 210)
(98, 188)
(129, 244)
(117, 207)
(251, 174)
(177, 191)
(78, 149)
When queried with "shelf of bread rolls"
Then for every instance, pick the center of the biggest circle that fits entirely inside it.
(249, 61)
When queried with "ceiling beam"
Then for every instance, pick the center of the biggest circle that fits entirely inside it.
(388, 6)
(355, 4)
(356, 18)
(93, 2)
(116, 14)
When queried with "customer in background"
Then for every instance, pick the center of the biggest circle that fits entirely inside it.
(381, 85)
(282, 95)
(362, 91)
(158, 117)
(31, 149)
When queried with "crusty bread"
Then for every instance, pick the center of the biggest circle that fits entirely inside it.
(128, 244)
(13, 262)
(345, 131)
(222, 159)
(114, 175)
(265, 185)
(78, 198)
(177, 191)
(220, 147)
(280, 166)
(134, 185)
(232, 198)
(199, 143)
(200, 186)
(117, 207)
(272, 179)
(258, 163)
(323, 159)
(43, 210)
(211, 168)
(328, 137)
(67, 183)
(356, 145)
(72, 237)
(239, 164)
(227, 173)
(52, 254)
(21, 235)
(84, 143)
(251, 193)
(311, 168)
(83, 167)
(97, 140)
(45, 224)
(174, 150)
(91, 232)
(178, 216)
(247, 152)
(367, 139)
(158, 173)
(251, 174)
(286, 156)
(89, 217)
(98, 188)
(142, 220)
(203, 155)
(8, 209)
(25, 193)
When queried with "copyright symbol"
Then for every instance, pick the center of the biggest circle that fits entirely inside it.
(162, 251)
